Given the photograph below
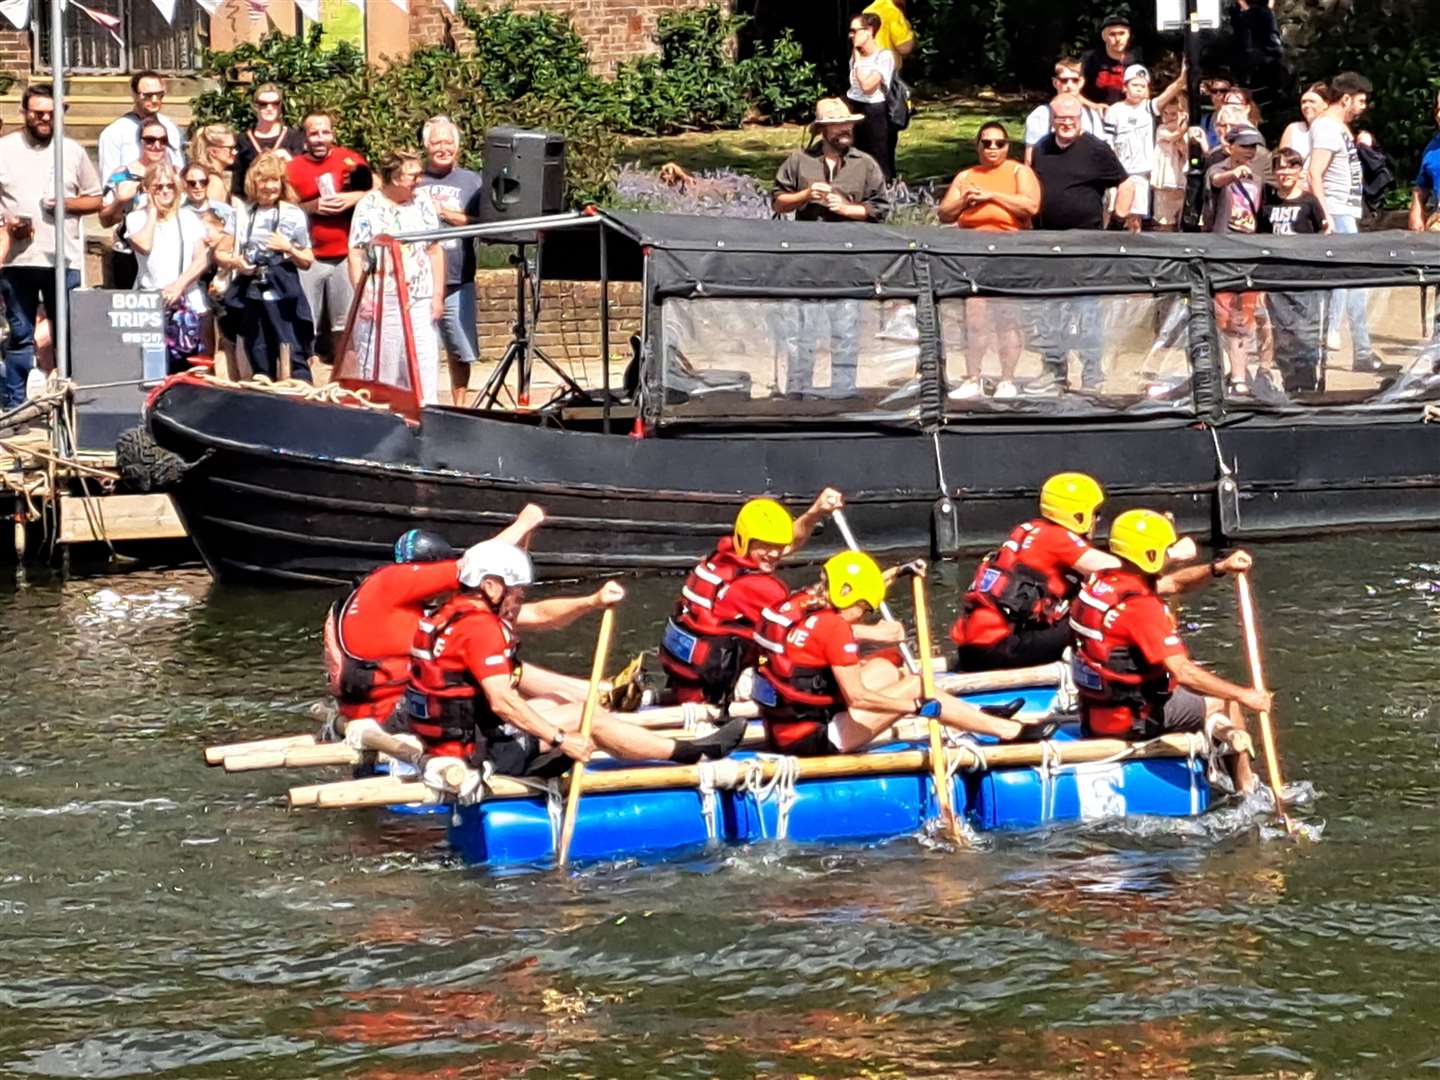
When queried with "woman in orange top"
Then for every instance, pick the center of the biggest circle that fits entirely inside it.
(996, 195)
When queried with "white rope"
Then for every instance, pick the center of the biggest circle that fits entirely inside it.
(781, 784)
(708, 804)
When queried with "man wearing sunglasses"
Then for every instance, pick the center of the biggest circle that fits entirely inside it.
(1068, 79)
(120, 142)
(27, 205)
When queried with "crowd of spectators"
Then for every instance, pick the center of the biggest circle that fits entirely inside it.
(255, 241)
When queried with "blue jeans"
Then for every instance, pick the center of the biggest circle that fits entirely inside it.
(1350, 303)
(23, 288)
(817, 323)
(1073, 323)
(457, 328)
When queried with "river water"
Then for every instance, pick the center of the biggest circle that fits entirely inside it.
(159, 918)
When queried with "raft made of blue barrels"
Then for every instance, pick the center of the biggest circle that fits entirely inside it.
(658, 811)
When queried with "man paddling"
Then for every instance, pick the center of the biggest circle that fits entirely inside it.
(368, 634)
(1133, 673)
(710, 638)
(1014, 611)
(816, 695)
(470, 697)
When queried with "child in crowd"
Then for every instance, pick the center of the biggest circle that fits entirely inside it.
(1290, 210)
(1130, 129)
(1172, 163)
(1244, 326)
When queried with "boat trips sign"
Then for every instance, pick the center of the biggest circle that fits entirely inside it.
(117, 350)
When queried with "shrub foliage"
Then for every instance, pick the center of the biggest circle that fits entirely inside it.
(529, 70)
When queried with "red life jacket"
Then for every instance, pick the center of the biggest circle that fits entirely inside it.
(1110, 674)
(444, 701)
(699, 648)
(363, 689)
(795, 698)
(1025, 591)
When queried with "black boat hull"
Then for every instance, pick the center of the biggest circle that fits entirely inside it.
(292, 491)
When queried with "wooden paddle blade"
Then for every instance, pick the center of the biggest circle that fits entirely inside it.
(587, 717)
(939, 773)
(1248, 623)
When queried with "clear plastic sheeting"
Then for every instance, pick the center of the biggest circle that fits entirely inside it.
(1071, 354)
(756, 358)
(378, 343)
(1336, 347)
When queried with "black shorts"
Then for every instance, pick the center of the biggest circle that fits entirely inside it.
(815, 744)
(1023, 648)
(520, 755)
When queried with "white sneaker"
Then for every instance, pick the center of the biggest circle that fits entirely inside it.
(34, 384)
(1006, 389)
(970, 388)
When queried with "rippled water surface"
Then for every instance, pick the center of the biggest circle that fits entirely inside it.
(159, 918)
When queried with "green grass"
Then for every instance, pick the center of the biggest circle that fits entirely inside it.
(939, 141)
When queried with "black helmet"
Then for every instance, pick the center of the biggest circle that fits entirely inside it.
(419, 545)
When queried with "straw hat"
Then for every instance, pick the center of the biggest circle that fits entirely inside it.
(833, 110)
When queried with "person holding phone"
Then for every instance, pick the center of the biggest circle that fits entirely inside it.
(27, 206)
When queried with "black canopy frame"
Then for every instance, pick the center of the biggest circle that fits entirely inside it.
(687, 257)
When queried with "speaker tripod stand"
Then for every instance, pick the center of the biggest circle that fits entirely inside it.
(522, 353)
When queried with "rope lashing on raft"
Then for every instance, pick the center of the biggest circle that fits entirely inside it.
(709, 805)
(781, 784)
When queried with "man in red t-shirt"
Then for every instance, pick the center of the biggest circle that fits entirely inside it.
(1014, 611)
(469, 696)
(328, 180)
(1132, 670)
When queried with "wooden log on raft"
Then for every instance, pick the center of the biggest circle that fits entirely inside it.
(216, 755)
(385, 790)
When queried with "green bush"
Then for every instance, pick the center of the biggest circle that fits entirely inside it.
(379, 110)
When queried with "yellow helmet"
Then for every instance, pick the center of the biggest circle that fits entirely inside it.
(1071, 499)
(1142, 537)
(764, 520)
(851, 577)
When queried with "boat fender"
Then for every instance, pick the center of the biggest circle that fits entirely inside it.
(1227, 499)
(945, 527)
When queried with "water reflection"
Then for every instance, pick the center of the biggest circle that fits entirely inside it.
(162, 917)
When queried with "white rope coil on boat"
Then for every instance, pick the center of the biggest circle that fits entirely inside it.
(329, 394)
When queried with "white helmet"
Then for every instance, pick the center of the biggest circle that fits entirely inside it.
(497, 559)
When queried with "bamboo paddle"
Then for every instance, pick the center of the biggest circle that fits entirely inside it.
(838, 516)
(587, 715)
(1257, 676)
(938, 770)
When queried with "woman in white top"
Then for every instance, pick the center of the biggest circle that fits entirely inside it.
(1313, 102)
(170, 251)
(871, 69)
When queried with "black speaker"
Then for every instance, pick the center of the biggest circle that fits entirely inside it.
(524, 175)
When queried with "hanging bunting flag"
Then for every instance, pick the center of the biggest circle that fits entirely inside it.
(111, 23)
(259, 9)
(451, 5)
(166, 9)
(210, 7)
(16, 12)
(403, 5)
(309, 8)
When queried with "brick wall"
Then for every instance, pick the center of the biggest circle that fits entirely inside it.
(15, 53)
(569, 327)
(615, 30)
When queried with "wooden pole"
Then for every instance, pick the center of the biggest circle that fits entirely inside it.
(587, 715)
(387, 790)
(216, 755)
(1257, 676)
(293, 757)
(938, 771)
(838, 516)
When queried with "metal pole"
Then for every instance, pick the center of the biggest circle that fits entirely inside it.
(1192, 56)
(60, 317)
(604, 331)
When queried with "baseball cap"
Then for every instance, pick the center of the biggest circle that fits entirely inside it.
(1115, 19)
(1137, 71)
(1245, 135)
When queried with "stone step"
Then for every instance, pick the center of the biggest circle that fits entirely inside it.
(96, 100)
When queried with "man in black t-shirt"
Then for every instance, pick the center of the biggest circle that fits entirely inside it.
(1104, 69)
(1075, 170)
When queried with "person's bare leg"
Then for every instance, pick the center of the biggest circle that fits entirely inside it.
(1009, 345)
(976, 338)
(537, 681)
(1234, 732)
